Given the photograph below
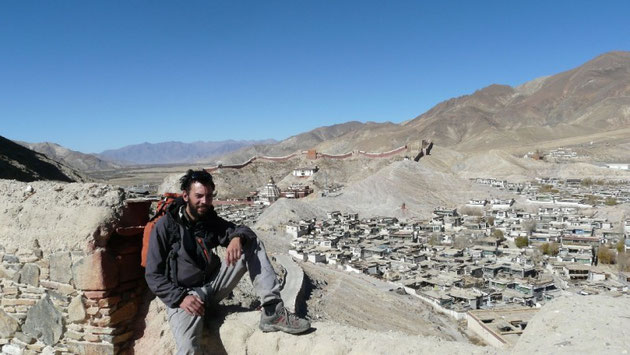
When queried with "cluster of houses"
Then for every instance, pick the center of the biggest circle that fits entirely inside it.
(558, 155)
(491, 264)
(245, 214)
(566, 192)
(562, 154)
(467, 262)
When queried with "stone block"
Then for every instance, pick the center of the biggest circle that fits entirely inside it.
(104, 321)
(59, 267)
(100, 330)
(49, 284)
(8, 325)
(96, 295)
(18, 302)
(92, 310)
(92, 337)
(37, 347)
(9, 290)
(33, 290)
(12, 349)
(67, 290)
(106, 311)
(61, 288)
(76, 310)
(44, 322)
(88, 348)
(96, 272)
(8, 258)
(28, 258)
(109, 301)
(70, 334)
(29, 275)
(75, 327)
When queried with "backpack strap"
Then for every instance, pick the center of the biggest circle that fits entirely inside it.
(171, 258)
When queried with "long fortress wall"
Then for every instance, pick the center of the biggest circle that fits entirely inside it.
(384, 154)
(314, 155)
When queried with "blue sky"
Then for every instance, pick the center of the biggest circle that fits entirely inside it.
(96, 75)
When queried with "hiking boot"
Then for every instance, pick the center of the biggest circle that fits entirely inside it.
(283, 320)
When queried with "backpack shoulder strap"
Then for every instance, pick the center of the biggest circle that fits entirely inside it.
(174, 241)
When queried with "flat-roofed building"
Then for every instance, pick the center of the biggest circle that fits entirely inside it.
(500, 327)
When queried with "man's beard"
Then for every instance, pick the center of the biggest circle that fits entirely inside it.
(199, 212)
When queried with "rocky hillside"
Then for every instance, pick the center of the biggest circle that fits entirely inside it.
(590, 99)
(71, 158)
(20, 163)
(318, 137)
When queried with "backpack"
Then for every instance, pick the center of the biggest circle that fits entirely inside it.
(160, 211)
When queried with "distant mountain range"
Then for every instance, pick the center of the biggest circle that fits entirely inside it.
(176, 152)
(591, 99)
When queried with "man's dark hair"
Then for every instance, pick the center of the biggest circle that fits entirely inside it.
(191, 176)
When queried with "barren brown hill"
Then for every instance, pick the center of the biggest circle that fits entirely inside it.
(590, 99)
(594, 97)
(20, 163)
(317, 137)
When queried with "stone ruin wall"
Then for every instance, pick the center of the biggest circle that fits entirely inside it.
(66, 292)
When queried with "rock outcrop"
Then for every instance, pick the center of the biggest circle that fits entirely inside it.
(238, 333)
(60, 216)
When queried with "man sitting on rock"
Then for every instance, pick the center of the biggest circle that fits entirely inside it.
(183, 271)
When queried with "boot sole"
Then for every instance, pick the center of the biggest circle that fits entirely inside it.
(268, 328)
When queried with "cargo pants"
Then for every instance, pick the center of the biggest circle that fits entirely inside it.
(188, 329)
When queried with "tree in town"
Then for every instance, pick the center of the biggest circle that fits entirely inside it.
(605, 255)
(551, 249)
(522, 242)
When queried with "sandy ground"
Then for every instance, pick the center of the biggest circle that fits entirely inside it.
(363, 302)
